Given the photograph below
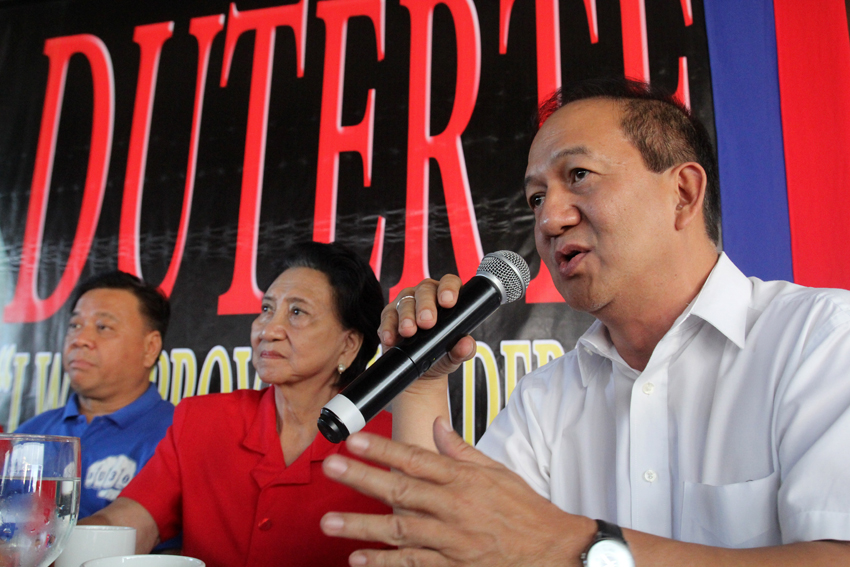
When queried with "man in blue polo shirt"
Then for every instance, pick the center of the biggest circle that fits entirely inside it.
(113, 340)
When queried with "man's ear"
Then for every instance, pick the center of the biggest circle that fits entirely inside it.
(153, 346)
(691, 181)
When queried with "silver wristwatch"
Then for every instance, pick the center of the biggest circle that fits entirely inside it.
(608, 549)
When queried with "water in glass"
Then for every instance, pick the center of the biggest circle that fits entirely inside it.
(39, 497)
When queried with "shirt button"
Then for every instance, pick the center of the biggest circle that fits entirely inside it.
(650, 476)
(648, 388)
(265, 525)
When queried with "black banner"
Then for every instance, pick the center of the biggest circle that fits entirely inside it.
(190, 142)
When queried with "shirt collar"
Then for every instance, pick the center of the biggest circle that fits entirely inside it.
(123, 417)
(595, 351)
(72, 408)
(128, 415)
(262, 437)
(722, 302)
(261, 434)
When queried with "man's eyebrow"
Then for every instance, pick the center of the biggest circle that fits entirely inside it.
(573, 151)
(107, 314)
(576, 150)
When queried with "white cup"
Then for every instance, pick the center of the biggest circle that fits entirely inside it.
(93, 542)
(145, 561)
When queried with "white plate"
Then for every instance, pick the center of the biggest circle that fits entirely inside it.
(145, 561)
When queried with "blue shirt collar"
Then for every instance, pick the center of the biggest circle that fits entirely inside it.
(126, 415)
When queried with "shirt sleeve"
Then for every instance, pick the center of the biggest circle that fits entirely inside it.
(516, 440)
(158, 486)
(31, 426)
(47, 423)
(812, 432)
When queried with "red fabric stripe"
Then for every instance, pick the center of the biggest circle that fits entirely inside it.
(813, 50)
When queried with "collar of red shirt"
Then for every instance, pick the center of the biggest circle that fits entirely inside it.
(261, 437)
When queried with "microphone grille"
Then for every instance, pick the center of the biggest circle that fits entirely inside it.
(510, 269)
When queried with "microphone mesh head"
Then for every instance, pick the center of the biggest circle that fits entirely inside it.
(510, 269)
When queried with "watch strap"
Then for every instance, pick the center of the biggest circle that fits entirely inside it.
(612, 547)
(607, 530)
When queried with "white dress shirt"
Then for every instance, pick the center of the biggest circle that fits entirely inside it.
(737, 433)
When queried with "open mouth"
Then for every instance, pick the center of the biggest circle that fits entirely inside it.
(569, 260)
(569, 256)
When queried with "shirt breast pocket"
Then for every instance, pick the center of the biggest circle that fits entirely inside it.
(739, 515)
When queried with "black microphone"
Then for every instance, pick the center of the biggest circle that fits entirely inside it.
(501, 278)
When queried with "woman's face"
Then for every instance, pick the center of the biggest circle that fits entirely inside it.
(297, 336)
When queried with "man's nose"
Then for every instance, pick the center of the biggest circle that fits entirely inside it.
(557, 213)
(81, 336)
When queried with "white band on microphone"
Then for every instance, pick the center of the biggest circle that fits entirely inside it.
(347, 413)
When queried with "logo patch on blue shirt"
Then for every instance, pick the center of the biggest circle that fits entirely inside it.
(109, 476)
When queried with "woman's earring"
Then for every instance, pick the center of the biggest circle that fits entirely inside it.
(341, 368)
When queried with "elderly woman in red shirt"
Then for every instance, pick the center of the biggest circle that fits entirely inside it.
(240, 473)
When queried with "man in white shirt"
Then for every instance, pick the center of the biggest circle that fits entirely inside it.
(705, 413)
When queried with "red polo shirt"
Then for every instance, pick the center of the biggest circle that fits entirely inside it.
(220, 477)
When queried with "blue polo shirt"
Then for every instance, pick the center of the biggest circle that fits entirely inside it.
(114, 447)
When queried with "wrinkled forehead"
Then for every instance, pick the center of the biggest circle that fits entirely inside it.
(119, 305)
(302, 283)
(583, 126)
(109, 300)
(578, 115)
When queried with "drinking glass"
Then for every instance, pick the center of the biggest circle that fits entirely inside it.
(39, 497)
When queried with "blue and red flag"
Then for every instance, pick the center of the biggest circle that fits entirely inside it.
(780, 77)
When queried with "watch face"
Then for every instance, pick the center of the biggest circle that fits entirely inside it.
(609, 553)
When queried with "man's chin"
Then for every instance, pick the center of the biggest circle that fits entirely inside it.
(583, 307)
(81, 384)
(581, 300)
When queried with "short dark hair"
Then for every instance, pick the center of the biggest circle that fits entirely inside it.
(153, 304)
(664, 131)
(358, 296)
